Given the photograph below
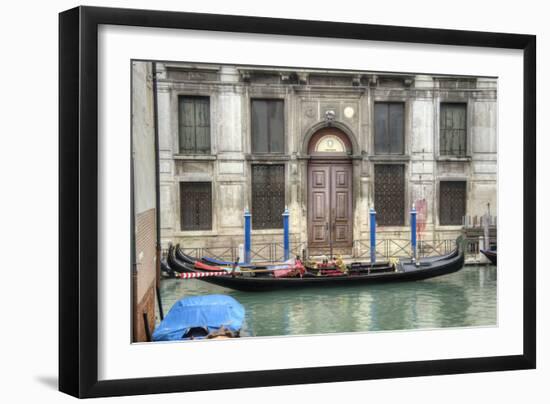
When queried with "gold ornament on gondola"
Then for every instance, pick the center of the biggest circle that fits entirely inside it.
(339, 263)
(394, 261)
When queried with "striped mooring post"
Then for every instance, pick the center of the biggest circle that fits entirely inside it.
(247, 235)
(286, 238)
(372, 236)
(413, 232)
(194, 275)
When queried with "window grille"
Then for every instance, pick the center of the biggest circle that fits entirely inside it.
(268, 196)
(389, 194)
(452, 202)
(196, 205)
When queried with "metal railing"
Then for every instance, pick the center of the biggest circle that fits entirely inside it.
(274, 252)
(478, 221)
(385, 249)
(259, 252)
(388, 248)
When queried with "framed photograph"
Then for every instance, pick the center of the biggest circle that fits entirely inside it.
(251, 201)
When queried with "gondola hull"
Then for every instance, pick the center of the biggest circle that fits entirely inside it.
(491, 255)
(404, 272)
(187, 259)
(176, 264)
(180, 256)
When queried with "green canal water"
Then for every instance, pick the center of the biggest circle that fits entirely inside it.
(463, 299)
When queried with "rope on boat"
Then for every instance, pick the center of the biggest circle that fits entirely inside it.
(189, 275)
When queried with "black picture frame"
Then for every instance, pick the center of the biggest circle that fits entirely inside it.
(78, 195)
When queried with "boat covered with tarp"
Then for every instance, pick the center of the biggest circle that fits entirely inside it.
(200, 317)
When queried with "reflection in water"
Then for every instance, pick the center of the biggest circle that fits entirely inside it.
(465, 298)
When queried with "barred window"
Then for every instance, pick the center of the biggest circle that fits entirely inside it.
(268, 196)
(267, 126)
(452, 202)
(452, 129)
(194, 125)
(389, 194)
(196, 205)
(388, 128)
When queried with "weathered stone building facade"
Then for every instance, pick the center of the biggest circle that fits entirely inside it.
(326, 144)
(145, 269)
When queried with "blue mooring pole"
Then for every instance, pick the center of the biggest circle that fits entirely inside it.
(247, 240)
(413, 232)
(286, 238)
(372, 236)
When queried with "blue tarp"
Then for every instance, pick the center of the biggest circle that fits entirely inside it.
(210, 312)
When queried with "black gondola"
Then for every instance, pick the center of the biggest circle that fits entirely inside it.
(176, 264)
(491, 255)
(182, 257)
(190, 260)
(403, 271)
(165, 269)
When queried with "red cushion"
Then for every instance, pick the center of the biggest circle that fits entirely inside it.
(206, 267)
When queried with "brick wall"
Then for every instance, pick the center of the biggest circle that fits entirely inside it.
(145, 277)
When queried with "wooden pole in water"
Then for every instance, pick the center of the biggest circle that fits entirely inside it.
(286, 239)
(159, 302)
(372, 236)
(486, 221)
(413, 232)
(247, 240)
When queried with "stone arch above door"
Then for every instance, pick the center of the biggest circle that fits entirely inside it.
(323, 139)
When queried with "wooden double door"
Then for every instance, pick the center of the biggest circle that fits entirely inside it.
(330, 207)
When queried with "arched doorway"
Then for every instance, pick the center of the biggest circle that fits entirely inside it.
(330, 192)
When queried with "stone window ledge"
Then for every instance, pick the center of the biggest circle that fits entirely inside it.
(267, 232)
(391, 229)
(390, 157)
(206, 157)
(195, 233)
(329, 156)
(267, 157)
(454, 159)
(448, 227)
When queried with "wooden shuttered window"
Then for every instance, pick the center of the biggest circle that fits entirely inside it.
(196, 205)
(268, 196)
(267, 126)
(194, 125)
(389, 128)
(389, 194)
(452, 129)
(452, 202)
